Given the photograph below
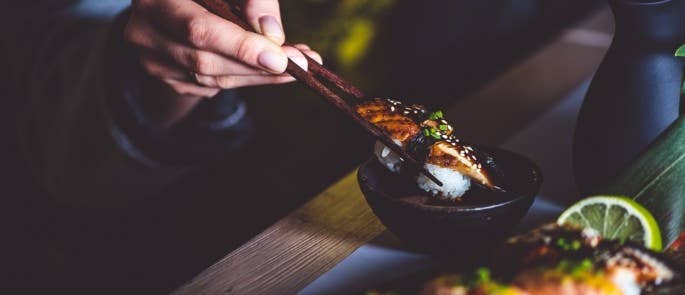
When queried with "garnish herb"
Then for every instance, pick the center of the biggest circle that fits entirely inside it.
(432, 132)
(436, 115)
(565, 245)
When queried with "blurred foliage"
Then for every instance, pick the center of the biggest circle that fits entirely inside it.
(349, 34)
(342, 31)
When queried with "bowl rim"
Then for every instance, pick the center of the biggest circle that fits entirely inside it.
(538, 179)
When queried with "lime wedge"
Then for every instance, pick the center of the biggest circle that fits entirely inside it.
(615, 218)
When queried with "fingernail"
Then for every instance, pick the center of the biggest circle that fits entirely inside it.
(299, 60)
(317, 57)
(273, 61)
(271, 28)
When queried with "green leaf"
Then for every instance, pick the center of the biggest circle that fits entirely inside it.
(656, 180)
(681, 51)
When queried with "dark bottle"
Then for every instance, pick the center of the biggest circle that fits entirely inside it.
(635, 93)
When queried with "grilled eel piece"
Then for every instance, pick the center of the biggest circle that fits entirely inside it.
(390, 117)
(405, 123)
(462, 158)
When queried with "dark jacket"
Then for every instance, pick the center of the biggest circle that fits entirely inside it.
(76, 117)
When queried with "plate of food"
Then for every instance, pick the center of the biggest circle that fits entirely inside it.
(600, 245)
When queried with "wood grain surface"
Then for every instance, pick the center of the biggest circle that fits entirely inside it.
(297, 249)
(310, 241)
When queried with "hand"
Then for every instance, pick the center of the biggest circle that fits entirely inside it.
(196, 53)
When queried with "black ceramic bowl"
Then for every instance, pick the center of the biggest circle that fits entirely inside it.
(466, 230)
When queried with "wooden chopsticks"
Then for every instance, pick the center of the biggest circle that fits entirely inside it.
(232, 12)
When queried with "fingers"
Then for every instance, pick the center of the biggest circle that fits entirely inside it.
(265, 18)
(196, 52)
(175, 77)
(198, 61)
(296, 56)
(188, 88)
(301, 46)
(162, 69)
(304, 48)
(235, 81)
(230, 82)
(200, 29)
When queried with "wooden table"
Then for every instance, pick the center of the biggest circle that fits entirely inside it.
(311, 240)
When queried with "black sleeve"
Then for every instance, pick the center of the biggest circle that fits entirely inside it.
(214, 129)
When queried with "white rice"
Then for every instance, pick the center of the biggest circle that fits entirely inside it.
(387, 157)
(454, 184)
(626, 281)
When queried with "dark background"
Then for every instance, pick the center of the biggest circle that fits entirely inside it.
(431, 52)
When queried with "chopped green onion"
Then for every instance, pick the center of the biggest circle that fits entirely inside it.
(561, 242)
(436, 115)
(443, 127)
(434, 133)
(575, 245)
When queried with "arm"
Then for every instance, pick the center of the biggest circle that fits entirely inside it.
(104, 123)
